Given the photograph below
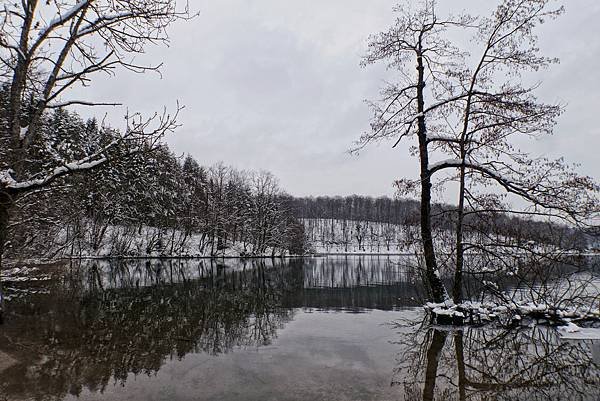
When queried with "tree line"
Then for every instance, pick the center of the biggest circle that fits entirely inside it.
(46, 50)
(350, 218)
(180, 207)
(174, 203)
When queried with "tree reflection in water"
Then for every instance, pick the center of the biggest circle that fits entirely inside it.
(101, 324)
(525, 363)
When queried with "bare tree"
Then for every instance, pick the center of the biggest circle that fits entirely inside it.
(482, 127)
(417, 40)
(471, 116)
(48, 48)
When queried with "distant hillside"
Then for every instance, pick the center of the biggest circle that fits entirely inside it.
(359, 237)
(361, 224)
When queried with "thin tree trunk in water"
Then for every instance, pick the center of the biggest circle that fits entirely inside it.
(433, 360)
(434, 284)
(458, 272)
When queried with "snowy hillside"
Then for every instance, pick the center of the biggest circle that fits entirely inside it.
(124, 241)
(359, 237)
(339, 236)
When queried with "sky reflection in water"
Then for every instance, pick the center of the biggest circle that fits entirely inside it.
(300, 329)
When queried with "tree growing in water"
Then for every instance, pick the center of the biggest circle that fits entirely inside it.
(415, 41)
(469, 117)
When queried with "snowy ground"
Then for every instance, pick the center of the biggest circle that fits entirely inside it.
(119, 241)
(579, 333)
(354, 237)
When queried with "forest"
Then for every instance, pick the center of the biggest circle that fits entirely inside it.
(386, 225)
(157, 203)
(137, 265)
(154, 203)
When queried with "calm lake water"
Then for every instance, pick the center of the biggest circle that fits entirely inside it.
(334, 328)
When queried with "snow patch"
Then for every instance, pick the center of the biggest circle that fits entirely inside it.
(583, 333)
(62, 18)
(569, 328)
(447, 162)
(23, 132)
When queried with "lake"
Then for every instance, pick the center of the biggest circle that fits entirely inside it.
(329, 328)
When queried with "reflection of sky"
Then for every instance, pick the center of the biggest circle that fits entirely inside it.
(328, 356)
(6, 361)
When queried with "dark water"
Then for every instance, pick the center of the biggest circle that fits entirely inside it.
(332, 328)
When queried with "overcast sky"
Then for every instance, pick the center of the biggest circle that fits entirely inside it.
(276, 85)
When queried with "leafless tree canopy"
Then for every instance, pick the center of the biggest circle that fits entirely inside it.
(467, 109)
(50, 47)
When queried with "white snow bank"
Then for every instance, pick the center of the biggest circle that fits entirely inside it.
(583, 333)
(22, 274)
(514, 311)
(569, 328)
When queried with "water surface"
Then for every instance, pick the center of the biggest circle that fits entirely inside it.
(335, 328)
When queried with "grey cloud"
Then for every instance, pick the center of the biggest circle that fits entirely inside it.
(276, 85)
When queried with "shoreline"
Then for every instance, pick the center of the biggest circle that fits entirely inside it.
(9, 262)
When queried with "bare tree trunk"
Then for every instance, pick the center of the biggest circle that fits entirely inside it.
(458, 272)
(6, 201)
(18, 84)
(434, 284)
(5, 204)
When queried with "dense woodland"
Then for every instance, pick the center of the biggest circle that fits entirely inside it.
(153, 203)
(158, 203)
